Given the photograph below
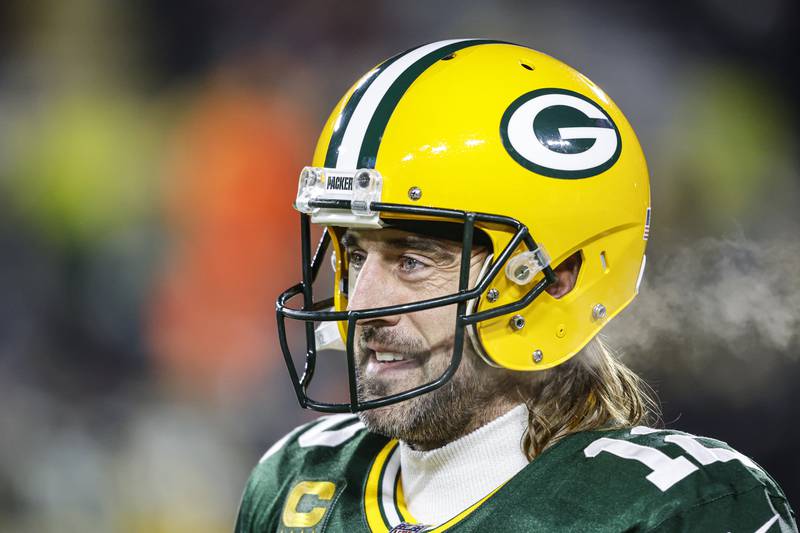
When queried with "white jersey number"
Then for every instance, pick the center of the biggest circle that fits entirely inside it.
(666, 471)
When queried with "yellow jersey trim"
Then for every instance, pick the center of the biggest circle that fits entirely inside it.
(374, 497)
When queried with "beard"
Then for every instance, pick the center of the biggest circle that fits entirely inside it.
(476, 393)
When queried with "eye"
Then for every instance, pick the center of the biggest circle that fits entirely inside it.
(410, 264)
(356, 258)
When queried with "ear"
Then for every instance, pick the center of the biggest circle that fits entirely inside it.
(566, 275)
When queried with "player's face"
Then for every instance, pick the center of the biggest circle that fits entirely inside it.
(400, 352)
(390, 267)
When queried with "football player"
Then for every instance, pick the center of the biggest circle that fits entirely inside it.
(487, 208)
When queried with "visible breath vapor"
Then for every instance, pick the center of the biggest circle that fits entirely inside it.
(734, 293)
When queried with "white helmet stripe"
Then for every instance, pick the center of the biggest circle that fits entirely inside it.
(357, 127)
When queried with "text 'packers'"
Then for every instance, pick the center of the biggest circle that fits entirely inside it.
(340, 183)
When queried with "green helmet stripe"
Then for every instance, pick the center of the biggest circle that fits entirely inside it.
(343, 120)
(360, 125)
(383, 112)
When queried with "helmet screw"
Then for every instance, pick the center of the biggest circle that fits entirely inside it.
(599, 312)
(517, 322)
(522, 272)
(492, 295)
(310, 177)
(537, 356)
(415, 193)
(363, 180)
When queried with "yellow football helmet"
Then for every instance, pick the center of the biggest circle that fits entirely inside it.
(506, 141)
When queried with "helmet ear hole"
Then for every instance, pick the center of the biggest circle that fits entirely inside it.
(566, 276)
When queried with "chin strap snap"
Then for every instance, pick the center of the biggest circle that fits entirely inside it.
(523, 267)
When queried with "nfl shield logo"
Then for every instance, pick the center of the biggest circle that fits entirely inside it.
(404, 527)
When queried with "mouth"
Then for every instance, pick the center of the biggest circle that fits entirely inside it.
(388, 357)
(384, 361)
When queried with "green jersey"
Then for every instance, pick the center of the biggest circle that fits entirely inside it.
(333, 475)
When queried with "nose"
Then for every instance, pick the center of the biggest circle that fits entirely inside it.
(373, 287)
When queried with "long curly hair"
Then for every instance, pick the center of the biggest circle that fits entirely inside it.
(593, 390)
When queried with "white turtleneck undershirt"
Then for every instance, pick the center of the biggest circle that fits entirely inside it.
(438, 484)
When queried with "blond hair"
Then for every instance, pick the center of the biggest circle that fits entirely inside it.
(593, 390)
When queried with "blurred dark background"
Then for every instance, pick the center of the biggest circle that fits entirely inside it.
(149, 153)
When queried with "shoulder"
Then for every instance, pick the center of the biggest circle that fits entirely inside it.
(324, 453)
(322, 439)
(326, 431)
(662, 480)
(679, 461)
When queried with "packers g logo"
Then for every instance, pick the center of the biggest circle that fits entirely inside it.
(560, 134)
(306, 505)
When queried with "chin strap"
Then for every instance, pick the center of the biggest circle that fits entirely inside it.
(472, 333)
(327, 337)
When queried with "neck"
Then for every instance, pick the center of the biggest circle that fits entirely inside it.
(477, 420)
